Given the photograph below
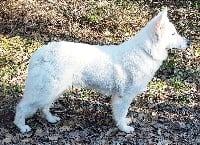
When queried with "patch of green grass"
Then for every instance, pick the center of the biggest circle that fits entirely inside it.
(173, 61)
(175, 89)
(183, 99)
(197, 4)
(177, 82)
(6, 89)
(198, 51)
(180, 90)
(93, 18)
(156, 88)
(14, 57)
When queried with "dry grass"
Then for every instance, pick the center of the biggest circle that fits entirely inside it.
(168, 113)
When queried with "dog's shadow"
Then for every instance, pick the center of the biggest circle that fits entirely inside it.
(84, 111)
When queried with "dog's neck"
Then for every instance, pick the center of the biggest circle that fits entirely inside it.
(150, 46)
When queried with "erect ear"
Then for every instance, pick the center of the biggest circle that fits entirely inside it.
(164, 12)
(160, 23)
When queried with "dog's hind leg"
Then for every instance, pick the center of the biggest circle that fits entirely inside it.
(23, 111)
(120, 107)
(46, 113)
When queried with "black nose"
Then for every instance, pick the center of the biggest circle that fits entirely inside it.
(188, 42)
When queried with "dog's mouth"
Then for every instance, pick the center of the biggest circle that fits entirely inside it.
(167, 48)
(184, 44)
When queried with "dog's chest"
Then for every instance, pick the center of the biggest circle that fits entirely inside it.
(140, 68)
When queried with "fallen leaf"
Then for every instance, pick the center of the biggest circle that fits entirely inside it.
(7, 139)
(164, 142)
(39, 132)
(53, 138)
(64, 128)
(112, 132)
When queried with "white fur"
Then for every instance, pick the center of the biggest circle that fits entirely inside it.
(122, 71)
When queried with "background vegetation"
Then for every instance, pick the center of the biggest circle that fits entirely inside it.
(167, 113)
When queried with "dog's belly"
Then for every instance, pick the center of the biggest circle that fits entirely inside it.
(98, 77)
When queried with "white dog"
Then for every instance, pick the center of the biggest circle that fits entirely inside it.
(122, 71)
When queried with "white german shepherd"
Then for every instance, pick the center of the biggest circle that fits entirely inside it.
(122, 71)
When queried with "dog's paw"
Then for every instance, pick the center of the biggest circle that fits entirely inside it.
(123, 125)
(53, 119)
(127, 121)
(25, 129)
(126, 128)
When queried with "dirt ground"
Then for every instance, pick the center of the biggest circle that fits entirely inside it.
(167, 113)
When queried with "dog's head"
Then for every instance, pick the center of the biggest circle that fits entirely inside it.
(164, 36)
(165, 31)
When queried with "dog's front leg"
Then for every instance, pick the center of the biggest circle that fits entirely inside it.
(120, 107)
